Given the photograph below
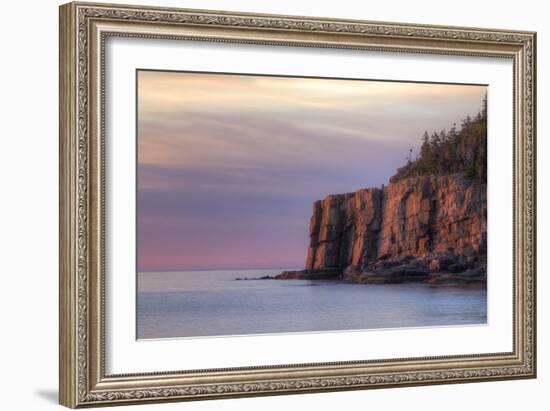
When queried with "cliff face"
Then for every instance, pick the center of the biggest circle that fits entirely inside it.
(420, 228)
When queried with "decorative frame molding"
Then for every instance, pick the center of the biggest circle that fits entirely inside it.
(83, 30)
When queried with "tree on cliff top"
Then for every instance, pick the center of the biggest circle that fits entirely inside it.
(453, 151)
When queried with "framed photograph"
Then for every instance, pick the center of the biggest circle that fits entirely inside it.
(260, 204)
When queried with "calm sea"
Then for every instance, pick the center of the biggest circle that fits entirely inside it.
(213, 303)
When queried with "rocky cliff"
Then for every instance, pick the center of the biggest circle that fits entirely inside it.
(424, 228)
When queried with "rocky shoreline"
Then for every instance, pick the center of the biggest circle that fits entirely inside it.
(445, 269)
(429, 229)
(452, 271)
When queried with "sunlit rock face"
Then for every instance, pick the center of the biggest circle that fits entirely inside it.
(426, 228)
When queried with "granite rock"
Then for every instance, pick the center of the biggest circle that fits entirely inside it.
(415, 229)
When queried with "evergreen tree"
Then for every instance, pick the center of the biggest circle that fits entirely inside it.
(456, 151)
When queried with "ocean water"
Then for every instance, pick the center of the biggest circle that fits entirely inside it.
(213, 303)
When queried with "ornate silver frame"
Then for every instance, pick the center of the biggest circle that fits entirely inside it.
(83, 30)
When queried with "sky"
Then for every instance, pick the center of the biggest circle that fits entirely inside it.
(229, 165)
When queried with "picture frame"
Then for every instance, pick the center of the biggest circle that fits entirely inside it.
(85, 29)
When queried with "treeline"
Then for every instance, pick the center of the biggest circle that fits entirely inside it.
(453, 151)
